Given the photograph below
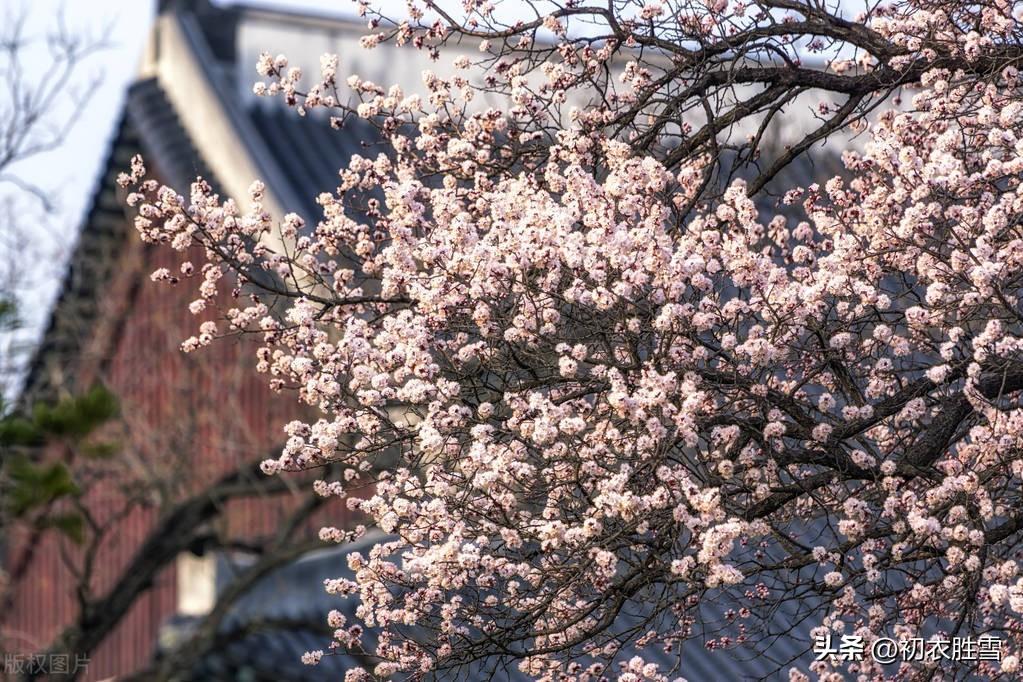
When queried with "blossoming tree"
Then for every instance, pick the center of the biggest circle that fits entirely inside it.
(625, 400)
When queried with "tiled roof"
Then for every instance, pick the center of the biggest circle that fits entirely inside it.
(310, 152)
(164, 139)
(148, 126)
(96, 251)
(253, 649)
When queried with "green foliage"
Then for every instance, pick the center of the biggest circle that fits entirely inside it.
(8, 315)
(101, 450)
(16, 431)
(70, 524)
(78, 416)
(34, 486)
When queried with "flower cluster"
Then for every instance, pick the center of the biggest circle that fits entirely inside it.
(577, 405)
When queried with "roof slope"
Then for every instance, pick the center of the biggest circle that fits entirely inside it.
(149, 126)
(310, 153)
